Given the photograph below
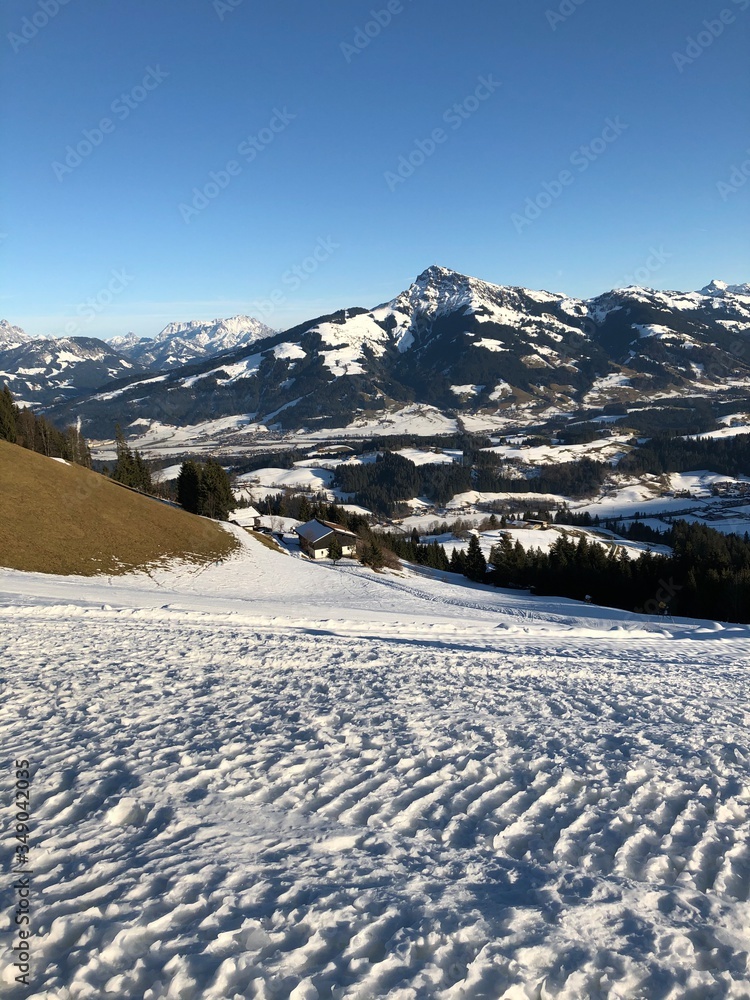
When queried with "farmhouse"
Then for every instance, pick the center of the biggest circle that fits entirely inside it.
(315, 538)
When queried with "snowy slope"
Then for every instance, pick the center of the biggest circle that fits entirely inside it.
(278, 779)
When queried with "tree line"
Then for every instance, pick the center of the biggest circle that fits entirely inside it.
(385, 484)
(19, 425)
(130, 467)
(205, 489)
(706, 576)
(728, 456)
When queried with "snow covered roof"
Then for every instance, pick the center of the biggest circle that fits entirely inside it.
(316, 530)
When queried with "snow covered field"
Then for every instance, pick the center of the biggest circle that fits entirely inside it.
(275, 779)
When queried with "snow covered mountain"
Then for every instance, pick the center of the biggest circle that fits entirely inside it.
(48, 371)
(181, 343)
(11, 336)
(45, 371)
(465, 348)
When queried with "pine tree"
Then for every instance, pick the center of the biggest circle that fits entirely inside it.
(372, 554)
(304, 512)
(214, 492)
(124, 470)
(335, 552)
(503, 562)
(457, 561)
(141, 474)
(476, 564)
(188, 486)
(7, 416)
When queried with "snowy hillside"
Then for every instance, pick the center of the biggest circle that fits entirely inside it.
(47, 371)
(277, 779)
(180, 343)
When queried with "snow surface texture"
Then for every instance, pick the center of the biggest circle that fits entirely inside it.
(275, 779)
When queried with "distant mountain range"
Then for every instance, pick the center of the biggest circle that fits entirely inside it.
(47, 371)
(465, 348)
(180, 343)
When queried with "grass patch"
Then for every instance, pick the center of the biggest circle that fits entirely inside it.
(58, 518)
(270, 543)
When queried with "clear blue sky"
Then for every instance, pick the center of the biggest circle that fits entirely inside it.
(232, 65)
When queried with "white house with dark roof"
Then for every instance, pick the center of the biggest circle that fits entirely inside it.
(315, 538)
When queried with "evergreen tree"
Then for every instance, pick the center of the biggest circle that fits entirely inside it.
(124, 470)
(188, 486)
(457, 561)
(476, 564)
(214, 492)
(372, 554)
(8, 412)
(335, 552)
(130, 468)
(141, 474)
(503, 562)
(22, 427)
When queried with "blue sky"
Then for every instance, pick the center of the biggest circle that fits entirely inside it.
(559, 145)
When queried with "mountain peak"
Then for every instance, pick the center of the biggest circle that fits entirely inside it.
(435, 272)
(181, 342)
(12, 336)
(715, 287)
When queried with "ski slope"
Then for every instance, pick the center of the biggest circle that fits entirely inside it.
(274, 779)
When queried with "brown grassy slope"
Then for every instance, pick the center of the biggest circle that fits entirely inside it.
(57, 518)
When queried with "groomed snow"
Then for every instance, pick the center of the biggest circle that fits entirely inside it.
(276, 779)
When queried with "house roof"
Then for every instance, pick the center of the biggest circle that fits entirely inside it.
(338, 528)
(316, 530)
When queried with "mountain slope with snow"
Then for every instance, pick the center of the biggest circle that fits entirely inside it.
(278, 779)
(11, 336)
(181, 343)
(465, 349)
(48, 371)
